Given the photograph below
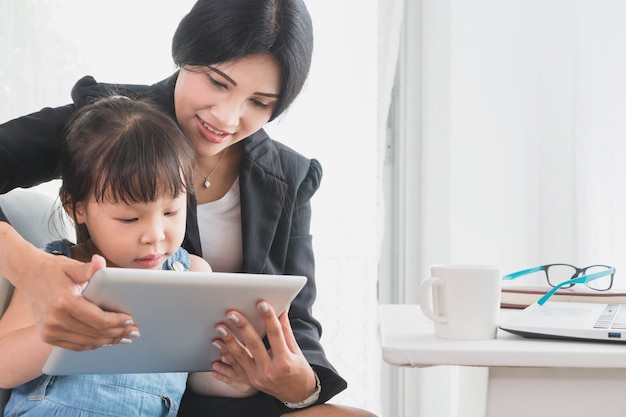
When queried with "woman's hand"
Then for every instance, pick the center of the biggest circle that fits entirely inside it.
(52, 285)
(63, 317)
(282, 371)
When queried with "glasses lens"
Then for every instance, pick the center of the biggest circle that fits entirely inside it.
(601, 284)
(560, 272)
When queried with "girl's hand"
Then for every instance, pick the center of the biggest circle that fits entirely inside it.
(282, 371)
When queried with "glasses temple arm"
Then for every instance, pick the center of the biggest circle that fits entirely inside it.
(523, 272)
(579, 280)
(554, 289)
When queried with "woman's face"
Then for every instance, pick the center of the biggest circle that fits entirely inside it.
(219, 105)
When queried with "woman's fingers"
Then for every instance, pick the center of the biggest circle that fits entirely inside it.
(229, 371)
(282, 371)
(246, 347)
(290, 339)
(249, 343)
(75, 323)
(64, 318)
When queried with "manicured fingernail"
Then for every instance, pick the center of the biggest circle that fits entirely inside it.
(135, 334)
(108, 344)
(222, 331)
(233, 317)
(263, 307)
(217, 345)
(129, 323)
(126, 341)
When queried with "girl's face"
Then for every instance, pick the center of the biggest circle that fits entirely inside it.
(219, 105)
(137, 235)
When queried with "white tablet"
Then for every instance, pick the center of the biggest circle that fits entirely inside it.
(176, 313)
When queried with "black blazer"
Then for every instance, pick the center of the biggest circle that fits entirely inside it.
(276, 185)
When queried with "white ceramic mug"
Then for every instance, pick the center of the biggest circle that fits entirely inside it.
(462, 300)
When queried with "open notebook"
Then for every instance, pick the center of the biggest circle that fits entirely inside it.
(570, 320)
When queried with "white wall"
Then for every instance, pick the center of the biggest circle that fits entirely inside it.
(47, 45)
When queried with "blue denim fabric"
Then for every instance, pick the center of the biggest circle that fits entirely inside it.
(116, 395)
(180, 259)
(120, 395)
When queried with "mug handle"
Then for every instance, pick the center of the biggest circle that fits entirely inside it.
(436, 286)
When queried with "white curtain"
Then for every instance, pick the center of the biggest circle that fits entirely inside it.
(522, 156)
(600, 105)
(390, 24)
(522, 130)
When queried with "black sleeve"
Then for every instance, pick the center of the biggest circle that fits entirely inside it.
(277, 185)
(300, 261)
(29, 147)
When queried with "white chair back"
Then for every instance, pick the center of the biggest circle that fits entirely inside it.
(38, 218)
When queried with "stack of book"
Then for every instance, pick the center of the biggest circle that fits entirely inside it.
(523, 296)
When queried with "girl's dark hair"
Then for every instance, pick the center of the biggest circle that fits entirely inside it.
(124, 150)
(215, 31)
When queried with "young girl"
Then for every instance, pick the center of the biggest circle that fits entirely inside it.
(127, 173)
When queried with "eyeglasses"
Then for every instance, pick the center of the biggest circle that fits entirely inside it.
(596, 277)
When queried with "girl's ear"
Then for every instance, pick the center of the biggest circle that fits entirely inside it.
(76, 211)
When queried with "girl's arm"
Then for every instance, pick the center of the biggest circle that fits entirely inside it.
(22, 353)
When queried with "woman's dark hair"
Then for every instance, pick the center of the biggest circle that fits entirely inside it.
(124, 150)
(215, 31)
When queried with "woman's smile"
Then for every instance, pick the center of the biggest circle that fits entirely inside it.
(211, 133)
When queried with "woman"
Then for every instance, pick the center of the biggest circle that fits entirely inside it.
(242, 63)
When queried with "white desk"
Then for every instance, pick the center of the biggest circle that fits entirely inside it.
(527, 377)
